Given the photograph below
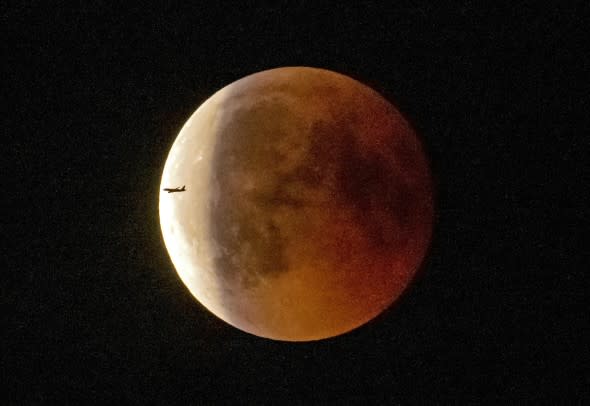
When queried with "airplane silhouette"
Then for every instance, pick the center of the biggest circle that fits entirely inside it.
(174, 190)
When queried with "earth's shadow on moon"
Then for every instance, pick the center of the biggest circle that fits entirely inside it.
(250, 244)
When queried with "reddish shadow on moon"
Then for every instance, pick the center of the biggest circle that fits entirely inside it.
(323, 208)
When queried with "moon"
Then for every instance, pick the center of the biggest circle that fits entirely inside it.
(308, 206)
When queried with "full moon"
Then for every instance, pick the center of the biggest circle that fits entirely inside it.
(307, 207)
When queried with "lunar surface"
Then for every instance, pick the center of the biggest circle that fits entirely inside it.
(308, 204)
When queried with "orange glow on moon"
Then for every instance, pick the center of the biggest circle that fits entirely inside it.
(308, 206)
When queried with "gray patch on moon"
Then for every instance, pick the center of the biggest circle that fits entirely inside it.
(244, 163)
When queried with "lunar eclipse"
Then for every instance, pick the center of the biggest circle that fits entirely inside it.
(308, 206)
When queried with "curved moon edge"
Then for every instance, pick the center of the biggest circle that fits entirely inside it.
(317, 214)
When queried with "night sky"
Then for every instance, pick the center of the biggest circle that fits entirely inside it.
(94, 97)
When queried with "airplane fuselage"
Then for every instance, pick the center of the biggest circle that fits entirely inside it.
(174, 190)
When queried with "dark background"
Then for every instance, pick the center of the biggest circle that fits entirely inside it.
(94, 96)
